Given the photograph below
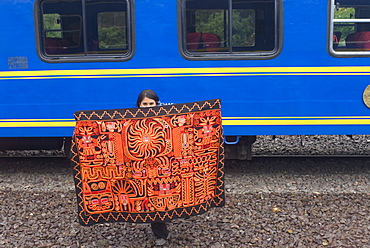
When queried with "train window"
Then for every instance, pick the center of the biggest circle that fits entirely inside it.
(349, 28)
(230, 29)
(84, 30)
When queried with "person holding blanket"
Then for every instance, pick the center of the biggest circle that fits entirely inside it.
(148, 98)
(148, 164)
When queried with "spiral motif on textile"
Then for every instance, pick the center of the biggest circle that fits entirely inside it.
(146, 138)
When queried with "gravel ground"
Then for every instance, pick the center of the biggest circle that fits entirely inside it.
(312, 145)
(271, 202)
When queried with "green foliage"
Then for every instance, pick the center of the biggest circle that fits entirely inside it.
(210, 22)
(112, 38)
(344, 13)
(215, 21)
(243, 28)
(344, 28)
(111, 30)
(52, 22)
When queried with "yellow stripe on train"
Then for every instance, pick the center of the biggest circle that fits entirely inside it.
(295, 122)
(227, 121)
(178, 72)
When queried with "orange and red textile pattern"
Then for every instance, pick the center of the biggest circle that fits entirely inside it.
(148, 164)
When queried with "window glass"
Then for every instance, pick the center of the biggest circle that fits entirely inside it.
(350, 28)
(112, 30)
(52, 26)
(247, 28)
(83, 30)
(244, 28)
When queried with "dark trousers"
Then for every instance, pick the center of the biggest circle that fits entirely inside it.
(160, 229)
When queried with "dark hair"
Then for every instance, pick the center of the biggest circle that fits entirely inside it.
(149, 94)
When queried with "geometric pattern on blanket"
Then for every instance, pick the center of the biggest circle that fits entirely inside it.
(147, 165)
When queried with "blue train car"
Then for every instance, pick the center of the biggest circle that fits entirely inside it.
(280, 67)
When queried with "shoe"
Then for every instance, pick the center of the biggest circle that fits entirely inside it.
(162, 241)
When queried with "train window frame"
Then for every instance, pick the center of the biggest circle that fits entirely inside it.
(230, 55)
(336, 38)
(87, 55)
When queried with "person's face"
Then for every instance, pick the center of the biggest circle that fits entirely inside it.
(147, 102)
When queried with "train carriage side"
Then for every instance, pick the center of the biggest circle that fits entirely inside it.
(280, 67)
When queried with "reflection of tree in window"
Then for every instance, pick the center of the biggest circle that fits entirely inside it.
(243, 27)
(213, 21)
(112, 30)
(52, 25)
(344, 29)
(210, 21)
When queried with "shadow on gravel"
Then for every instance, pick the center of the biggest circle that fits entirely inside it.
(35, 165)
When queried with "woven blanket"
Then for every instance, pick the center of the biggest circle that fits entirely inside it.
(148, 164)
